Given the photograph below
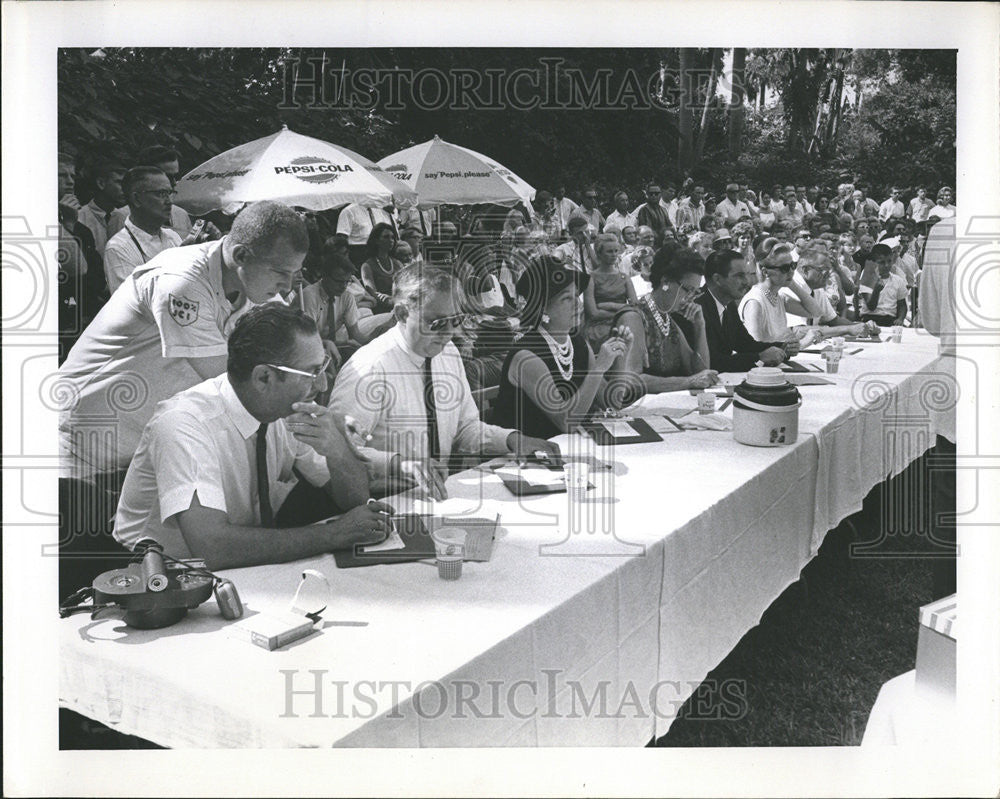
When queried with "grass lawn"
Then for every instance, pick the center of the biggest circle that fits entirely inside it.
(810, 671)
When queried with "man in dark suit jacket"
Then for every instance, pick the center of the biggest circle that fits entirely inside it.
(731, 348)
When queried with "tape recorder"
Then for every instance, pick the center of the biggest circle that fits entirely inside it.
(155, 590)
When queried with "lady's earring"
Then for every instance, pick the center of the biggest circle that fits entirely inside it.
(546, 319)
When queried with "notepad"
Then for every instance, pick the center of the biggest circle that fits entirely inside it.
(535, 476)
(617, 428)
(392, 542)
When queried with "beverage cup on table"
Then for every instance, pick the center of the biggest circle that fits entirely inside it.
(837, 342)
(706, 402)
(832, 358)
(897, 334)
(577, 479)
(449, 551)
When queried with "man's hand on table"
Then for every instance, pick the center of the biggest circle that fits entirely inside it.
(427, 476)
(772, 356)
(365, 524)
(524, 447)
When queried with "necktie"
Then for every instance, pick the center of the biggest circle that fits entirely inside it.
(873, 298)
(263, 486)
(433, 441)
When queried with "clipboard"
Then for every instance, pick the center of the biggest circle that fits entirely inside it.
(642, 432)
(415, 532)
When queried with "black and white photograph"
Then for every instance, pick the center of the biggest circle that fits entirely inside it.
(516, 399)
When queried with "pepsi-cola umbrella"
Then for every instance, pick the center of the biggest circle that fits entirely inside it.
(293, 169)
(447, 174)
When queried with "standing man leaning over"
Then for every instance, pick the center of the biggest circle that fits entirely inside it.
(407, 393)
(165, 330)
(217, 461)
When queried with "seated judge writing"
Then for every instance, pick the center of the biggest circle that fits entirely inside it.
(406, 394)
(216, 462)
(551, 380)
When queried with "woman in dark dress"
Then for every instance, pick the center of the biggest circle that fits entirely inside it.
(379, 271)
(551, 381)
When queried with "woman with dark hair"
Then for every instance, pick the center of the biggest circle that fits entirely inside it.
(670, 352)
(379, 270)
(551, 381)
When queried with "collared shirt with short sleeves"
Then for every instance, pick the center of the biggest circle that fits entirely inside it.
(893, 290)
(204, 441)
(919, 209)
(130, 248)
(732, 212)
(180, 221)
(577, 256)
(357, 223)
(618, 221)
(134, 354)
(331, 316)
(382, 387)
(891, 209)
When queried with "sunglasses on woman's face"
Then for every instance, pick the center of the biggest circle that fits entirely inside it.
(786, 268)
(443, 322)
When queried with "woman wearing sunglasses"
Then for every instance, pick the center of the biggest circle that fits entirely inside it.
(762, 309)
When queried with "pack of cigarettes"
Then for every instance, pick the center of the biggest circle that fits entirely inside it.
(272, 630)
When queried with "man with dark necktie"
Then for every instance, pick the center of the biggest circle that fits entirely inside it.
(216, 462)
(731, 348)
(406, 398)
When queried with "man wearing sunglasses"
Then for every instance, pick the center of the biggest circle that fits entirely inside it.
(408, 396)
(165, 330)
(217, 462)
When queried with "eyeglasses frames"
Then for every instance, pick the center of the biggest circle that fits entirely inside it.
(311, 375)
(437, 325)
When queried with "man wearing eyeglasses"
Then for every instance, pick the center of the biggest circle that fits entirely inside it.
(407, 395)
(811, 275)
(167, 161)
(165, 330)
(146, 233)
(217, 462)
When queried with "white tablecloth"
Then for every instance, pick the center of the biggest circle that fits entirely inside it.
(904, 716)
(561, 639)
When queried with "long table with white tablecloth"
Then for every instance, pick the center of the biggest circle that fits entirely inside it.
(591, 624)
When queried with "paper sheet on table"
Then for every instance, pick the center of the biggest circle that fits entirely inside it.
(535, 476)
(660, 425)
(390, 543)
(453, 506)
(618, 428)
(708, 421)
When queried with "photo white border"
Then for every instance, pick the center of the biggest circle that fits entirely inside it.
(34, 765)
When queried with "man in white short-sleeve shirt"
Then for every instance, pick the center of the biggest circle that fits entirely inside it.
(384, 389)
(145, 235)
(165, 330)
(811, 275)
(216, 462)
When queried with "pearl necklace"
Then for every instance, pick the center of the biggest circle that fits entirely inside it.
(562, 353)
(771, 298)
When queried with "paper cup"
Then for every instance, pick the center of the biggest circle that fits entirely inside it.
(577, 479)
(837, 342)
(832, 361)
(897, 334)
(449, 549)
(706, 402)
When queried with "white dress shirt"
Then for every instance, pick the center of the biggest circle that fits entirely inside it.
(619, 221)
(382, 387)
(890, 209)
(204, 441)
(357, 223)
(180, 221)
(130, 248)
(827, 311)
(97, 220)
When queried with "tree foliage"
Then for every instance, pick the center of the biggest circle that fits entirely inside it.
(618, 126)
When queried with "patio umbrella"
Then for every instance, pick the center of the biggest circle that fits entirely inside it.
(293, 169)
(443, 173)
